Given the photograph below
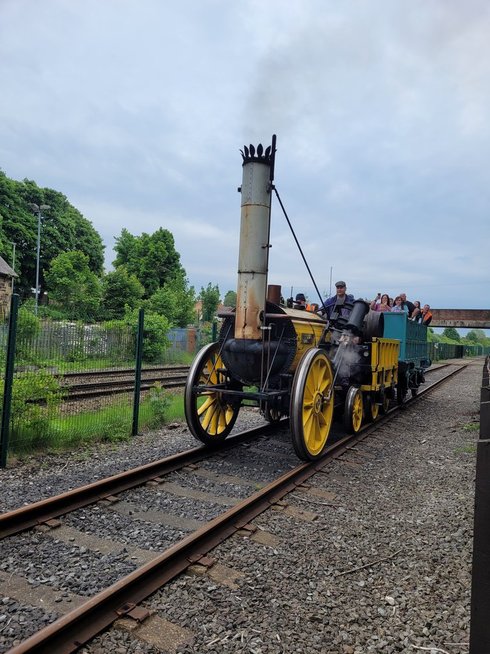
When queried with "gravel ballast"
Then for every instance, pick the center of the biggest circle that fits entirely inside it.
(381, 567)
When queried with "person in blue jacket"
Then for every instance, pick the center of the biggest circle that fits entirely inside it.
(336, 302)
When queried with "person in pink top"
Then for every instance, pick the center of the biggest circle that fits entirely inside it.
(381, 303)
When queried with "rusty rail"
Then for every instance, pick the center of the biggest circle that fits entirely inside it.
(80, 625)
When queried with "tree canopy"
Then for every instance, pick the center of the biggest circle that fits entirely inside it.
(176, 301)
(152, 258)
(452, 333)
(230, 299)
(63, 228)
(120, 291)
(74, 286)
(209, 297)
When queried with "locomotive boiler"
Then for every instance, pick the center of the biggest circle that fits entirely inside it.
(287, 362)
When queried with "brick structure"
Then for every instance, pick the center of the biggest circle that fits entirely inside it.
(6, 276)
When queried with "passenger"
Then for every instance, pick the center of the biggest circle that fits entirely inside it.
(381, 303)
(408, 304)
(417, 311)
(398, 306)
(300, 302)
(392, 302)
(337, 301)
(426, 315)
(313, 307)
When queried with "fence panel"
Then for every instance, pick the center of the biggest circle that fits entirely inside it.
(56, 402)
(74, 383)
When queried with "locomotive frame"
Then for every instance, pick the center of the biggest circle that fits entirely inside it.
(295, 363)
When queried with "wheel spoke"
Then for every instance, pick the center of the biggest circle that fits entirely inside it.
(211, 399)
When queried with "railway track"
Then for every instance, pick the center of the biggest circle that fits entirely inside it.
(86, 385)
(121, 598)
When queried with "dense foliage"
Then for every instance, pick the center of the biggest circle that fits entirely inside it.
(176, 301)
(152, 258)
(148, 272)
(74, 286)
(120, 290)
(209, 297)
(63, 228)
(230, 299)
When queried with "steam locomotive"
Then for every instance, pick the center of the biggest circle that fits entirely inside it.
(295, 363)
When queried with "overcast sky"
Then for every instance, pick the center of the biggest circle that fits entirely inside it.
(136, 110)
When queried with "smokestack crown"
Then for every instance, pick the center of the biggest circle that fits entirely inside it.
(251, 154)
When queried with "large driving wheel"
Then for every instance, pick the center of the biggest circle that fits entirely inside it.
(354, 410)
(210, 415)
(311, 409)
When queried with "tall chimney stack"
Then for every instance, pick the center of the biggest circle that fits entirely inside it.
(253, 258)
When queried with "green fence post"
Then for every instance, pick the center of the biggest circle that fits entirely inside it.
(9, 379)
(137, 372)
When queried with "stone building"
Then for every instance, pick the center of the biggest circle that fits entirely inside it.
(6, 277)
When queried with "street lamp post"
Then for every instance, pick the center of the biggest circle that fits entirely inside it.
(38, 209)
(13, 262)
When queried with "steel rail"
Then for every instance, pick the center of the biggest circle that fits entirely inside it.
(25, 517)
(115, 383)
(74, 629)
(110, 388)
(13, 522)
(121, 371)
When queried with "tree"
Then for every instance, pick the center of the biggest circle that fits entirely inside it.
(152, 258)
(176, 301)
(452, 333)
(155, 332)
(476, 336)
(63, 228)
(230, 299)
(209, 297)
(120, 290)
(73, 286)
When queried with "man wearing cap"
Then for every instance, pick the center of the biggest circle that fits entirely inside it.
(300, 302)
(335, 304)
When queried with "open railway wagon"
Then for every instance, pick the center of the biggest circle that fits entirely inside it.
(295, 363)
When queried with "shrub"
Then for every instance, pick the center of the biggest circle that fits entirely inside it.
(159, 400)
(36, 397)
(155, 332)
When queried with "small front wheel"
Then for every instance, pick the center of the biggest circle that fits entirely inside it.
(373, 407)
(353, 410)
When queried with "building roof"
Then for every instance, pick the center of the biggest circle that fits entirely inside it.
(5, 269)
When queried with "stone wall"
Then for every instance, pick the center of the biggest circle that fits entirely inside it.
(5, 294)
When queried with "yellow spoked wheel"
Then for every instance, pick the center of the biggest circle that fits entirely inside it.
(311, 408)
(353, 410)
(373, 407)
(210, 415)
(385, 402)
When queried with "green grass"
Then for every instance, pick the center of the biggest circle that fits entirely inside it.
(109, 424)
(470, 448)
(472, 426)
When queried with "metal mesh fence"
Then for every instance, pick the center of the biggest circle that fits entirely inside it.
(75, 383)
